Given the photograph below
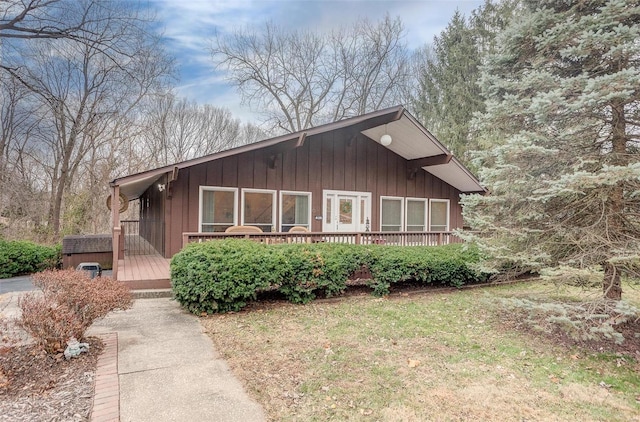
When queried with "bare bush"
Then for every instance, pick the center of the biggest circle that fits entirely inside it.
(70, 302)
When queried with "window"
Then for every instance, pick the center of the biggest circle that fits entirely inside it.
(258, 208)
(295, 210)
(391, 210)
(217, 208)
(416, 214)
(439, 215)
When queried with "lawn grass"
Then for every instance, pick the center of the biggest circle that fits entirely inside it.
(432, 356)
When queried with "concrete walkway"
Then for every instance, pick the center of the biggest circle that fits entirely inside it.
(168, 369)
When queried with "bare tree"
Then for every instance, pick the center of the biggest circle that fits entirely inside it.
(84, 93)
(177, 130)
(302, 79)
(77, 20)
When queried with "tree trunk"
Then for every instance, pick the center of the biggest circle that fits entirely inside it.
(611, 286)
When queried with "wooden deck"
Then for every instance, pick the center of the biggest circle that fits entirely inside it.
(144, 271)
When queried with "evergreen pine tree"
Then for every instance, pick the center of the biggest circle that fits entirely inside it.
(563, 102)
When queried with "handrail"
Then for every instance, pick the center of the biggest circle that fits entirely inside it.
(358, 238)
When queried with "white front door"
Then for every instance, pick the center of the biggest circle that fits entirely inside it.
(346, 211)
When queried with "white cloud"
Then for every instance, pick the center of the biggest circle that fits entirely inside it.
(190, 25)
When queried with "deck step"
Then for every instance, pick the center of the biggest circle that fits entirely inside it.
(151, 293)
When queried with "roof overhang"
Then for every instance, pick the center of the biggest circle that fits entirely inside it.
(409, 139)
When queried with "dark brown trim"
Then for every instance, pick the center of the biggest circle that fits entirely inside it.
(434, 160)
(301, 139)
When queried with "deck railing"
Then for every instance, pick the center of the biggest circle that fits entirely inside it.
(138, 237)
(357, 238)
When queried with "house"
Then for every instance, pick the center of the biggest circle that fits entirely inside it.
(379, 172)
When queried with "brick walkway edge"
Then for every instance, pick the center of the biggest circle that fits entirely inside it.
(106, 398)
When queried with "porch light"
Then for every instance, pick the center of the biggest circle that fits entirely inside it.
(386, 138)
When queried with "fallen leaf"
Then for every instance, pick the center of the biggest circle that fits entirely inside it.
(413, 363)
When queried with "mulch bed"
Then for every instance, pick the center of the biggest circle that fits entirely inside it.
(37, 387)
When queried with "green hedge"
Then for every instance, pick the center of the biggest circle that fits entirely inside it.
(221, 276)
(21, 257)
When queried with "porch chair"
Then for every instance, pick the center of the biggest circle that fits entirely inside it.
(243, 229)
(299, 229)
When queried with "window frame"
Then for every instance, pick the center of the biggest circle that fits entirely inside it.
(294, 193)
(448, 202)
(216, 189)
(394, 198)
(425, 217)
(274, 206)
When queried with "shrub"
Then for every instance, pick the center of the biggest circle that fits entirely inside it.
(316, 268)
(225, 275)
(69, 303)
(22, 257)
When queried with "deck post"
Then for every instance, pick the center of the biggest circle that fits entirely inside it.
(439, 239)
(358, 240)
(116, 230)
(185, 240)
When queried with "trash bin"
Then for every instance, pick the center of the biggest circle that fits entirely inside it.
(93, 268)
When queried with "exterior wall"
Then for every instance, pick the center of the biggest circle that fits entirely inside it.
(330, 161)
(71, 261)
(152, 209)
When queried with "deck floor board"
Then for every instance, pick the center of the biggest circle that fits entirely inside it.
(144, 271)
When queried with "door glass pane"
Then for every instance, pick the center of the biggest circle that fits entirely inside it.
(391, 214)
(258, 210)
(295, 211)
(327, 211)
(218, 210)
(416, 215)
(346, 211)
(439, 211)
(362, 211)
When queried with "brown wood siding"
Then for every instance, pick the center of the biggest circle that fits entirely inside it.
(327, 161)
(71, 261)
(152, 213)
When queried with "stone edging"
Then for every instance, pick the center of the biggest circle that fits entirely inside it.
(106, 398)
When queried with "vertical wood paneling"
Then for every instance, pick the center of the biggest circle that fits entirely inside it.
(382, 175)
(289, 169)
(350, 163)
(246, 167)
(338, 161)
(361, 164)
(302, 168)
(214, 173)
(315, 180)
(259, 166)
(230, 167)
(273, 182)
(327, 161)
(401, 175)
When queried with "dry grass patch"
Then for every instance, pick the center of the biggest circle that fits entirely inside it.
(438, 356)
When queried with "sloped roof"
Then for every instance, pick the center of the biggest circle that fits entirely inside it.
(411, 140)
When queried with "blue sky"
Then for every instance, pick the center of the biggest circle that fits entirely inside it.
(190, 25)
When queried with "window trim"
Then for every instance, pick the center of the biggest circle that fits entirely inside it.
(425, 217)
(448, 202)
(395, 198)
(217, 189)
(274, 206)
(291, 192)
